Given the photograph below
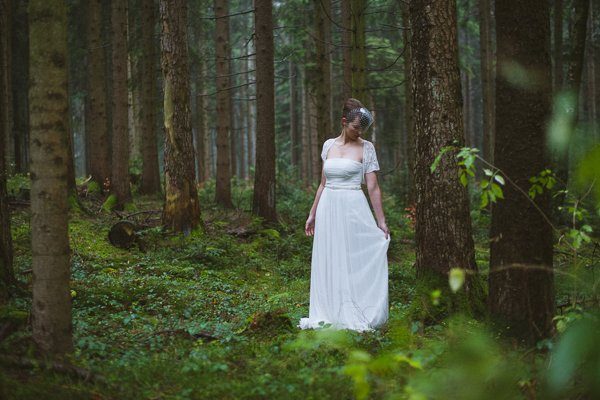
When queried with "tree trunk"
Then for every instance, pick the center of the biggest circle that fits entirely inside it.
(591, 71)
(96, 119)
(323, 72)
(20, 82)
(347, 48)
(7, 103)
(6, 248)
(181, 212)
(134, 77)
(558, 44)
(49, 121)
(521, 288)
(358, 10)
(305, 149)
(294, 136)
(409, 107)
(487, 78)
(574, 73)
(443, 223)
(150, 172)
(120, 141)
(264, 179)
(201, 120)
(222, 54)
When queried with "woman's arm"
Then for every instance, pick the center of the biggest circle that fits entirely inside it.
(309, 228)
(375, 196)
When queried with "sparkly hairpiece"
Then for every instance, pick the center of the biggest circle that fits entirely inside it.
(365, 117)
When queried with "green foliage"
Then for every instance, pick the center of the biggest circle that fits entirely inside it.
(109, 203)
(544, 181)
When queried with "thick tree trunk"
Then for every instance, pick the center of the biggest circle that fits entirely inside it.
(443, 224)
(521, 294)
(181, 212)
(222, 53)
(358, 10)
(323, 70)
(347, 48)
(150, 172)
(6, 249)
(487, 77)
(20, 82)
(119, 184)
(96, 119)
(49, 121)
(264, 179)
(409, 107)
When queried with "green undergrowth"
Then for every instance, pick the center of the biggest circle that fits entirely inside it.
(213, 315)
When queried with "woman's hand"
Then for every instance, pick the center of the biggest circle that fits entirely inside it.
(309, 228)
(384, 228)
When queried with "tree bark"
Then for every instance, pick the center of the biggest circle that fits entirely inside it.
(222, 52)
(7, 103)
(443, 223)
(20, 82)
(201, 120)
(49, 121)
(6, 248)
(120, 140)
(264, 179)
(558, 44)
(521, 280)
(358, 9)
(409, 107)
(294, 135)
(347, 48)
(181, 212)
(487, 78)
(574, 73)
(150, 172)
(323, 71)
(305, 150)
(96, 119)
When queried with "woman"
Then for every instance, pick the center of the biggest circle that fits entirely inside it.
(349, 276)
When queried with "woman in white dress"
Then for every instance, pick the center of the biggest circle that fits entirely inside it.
(349, 271)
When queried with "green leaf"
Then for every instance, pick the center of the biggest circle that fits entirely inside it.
(484, 183)
(497, 191)
(499, 179)
(488, 172)
(484, 199)
(464, 180)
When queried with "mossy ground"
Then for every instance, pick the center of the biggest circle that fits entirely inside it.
(213, 316)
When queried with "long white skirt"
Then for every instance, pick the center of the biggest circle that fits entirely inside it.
(349, 272)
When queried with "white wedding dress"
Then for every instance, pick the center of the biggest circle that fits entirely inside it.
(349, 271)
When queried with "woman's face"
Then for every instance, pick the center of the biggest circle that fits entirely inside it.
(353, 128)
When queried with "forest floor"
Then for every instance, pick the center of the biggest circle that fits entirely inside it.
(213, 315)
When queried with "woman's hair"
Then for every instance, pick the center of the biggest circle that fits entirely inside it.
(349, 105)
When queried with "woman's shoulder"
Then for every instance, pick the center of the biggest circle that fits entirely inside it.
(367, 144)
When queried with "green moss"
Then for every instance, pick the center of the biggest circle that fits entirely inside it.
(109, 203)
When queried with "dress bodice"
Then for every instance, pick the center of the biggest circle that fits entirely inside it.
(343, 172)
(346, 170)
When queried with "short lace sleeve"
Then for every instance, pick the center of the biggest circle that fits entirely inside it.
(326, 147)
(370, 158)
